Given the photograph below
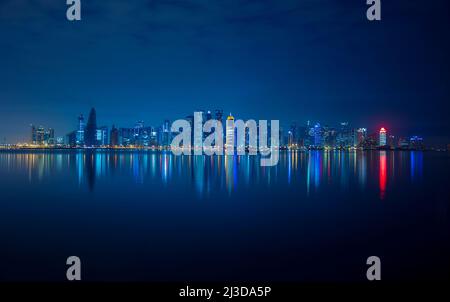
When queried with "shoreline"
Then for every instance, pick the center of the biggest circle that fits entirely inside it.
(109, 149)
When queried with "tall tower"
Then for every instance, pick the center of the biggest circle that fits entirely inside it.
(91, 129)
(80, 131)
(230, 141)
(318, 135)
(383, 141)
(114, 136)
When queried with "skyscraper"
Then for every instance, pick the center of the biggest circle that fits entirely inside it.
(91, 129)
(345, 137)
(383, 140)
(165, 134)
(114, 136)
(50, 136)
(80, 130)
(318, 135)
(102, 136)
(40, 135)
(230, 141)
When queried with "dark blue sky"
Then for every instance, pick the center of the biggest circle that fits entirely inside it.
(288, 60)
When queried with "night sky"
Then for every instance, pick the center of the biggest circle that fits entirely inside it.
(318, 60)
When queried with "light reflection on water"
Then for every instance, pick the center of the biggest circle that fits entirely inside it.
(208, 174)
(193, 217)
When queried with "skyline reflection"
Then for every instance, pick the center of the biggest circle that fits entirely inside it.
(313, 170)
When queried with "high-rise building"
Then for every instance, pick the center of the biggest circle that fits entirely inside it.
(114, 136)
(40, 135)
(80, 131)
(361, 134)
(383, 137)
(50, 137)
(329, 136)
(345, 136)
(71, 139)
(153, 137)
(318, 135)
(126, 136)
(91, 129)
(102, 136)
(165, 134)
(230, 133)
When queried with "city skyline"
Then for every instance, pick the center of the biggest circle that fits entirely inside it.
(130, 124)
(306, 135)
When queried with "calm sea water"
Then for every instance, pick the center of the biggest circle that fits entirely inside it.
(147, 216)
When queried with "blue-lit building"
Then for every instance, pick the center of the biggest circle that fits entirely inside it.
(318, 136)
(416, 143)
(80, 131)
(346, 137)
(40, 136)
(165, 135)
(102, 136)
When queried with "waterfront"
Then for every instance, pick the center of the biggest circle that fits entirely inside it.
(152, 216)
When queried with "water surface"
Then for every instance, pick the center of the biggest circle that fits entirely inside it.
(152, 216)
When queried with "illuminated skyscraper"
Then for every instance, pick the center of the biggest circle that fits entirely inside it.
(40, 135)
(165, 134)
(80, 131)
(230, 137)
(383, 140)
(102, 136)
(50, 137)
(318, 135)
